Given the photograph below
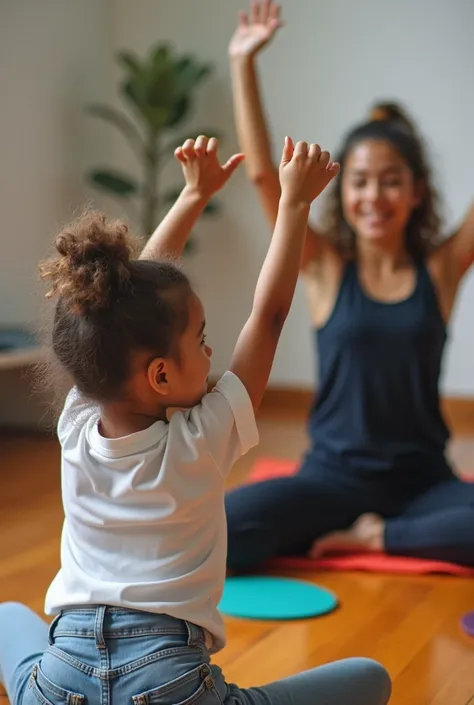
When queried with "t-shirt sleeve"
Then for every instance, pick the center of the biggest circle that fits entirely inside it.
(77, 410)
(225, 419)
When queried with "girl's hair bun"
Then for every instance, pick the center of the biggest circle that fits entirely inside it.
(92, 264)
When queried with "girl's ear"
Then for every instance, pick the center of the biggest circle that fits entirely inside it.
(158, 376)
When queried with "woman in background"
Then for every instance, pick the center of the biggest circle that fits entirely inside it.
(381, 289)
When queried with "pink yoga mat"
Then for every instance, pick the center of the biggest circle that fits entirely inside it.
(267, 468)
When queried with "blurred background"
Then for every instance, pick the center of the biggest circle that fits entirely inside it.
(329, 64)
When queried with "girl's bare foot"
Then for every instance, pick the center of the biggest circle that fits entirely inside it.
(365, 535)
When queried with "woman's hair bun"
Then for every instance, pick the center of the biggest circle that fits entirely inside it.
(392, 112)
(92, 263)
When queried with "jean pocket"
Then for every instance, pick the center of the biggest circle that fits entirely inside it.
(192, 688)
(47, 693)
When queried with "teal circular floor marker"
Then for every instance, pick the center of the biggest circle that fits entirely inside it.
(266, 597)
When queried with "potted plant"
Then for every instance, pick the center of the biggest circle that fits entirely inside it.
(160, 91)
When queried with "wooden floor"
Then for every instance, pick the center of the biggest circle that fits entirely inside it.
(411, 625)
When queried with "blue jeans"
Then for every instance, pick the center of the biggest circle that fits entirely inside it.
(113, 656)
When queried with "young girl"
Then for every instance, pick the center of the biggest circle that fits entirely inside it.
(143, 553)
(381, 289)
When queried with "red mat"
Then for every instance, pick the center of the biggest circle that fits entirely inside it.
(267, 468)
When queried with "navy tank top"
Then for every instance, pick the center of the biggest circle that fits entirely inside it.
(377, 406)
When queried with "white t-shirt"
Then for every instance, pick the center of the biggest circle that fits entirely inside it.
(145, 524)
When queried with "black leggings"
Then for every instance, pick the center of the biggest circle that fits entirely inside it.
(283, 517)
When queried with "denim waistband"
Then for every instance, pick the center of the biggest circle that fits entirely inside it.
(103, 622)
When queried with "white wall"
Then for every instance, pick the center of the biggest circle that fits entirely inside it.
(332, 60)
(54, 58)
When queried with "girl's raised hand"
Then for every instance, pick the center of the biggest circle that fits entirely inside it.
(255, 29)
(305, 171)
(202, 170)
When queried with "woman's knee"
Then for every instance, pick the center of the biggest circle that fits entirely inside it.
(269, 517)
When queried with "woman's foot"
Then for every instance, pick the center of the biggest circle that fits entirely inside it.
(365, 535)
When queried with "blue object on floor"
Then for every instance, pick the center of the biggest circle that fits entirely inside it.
(267, 597)
(467, 623)
(15, 339)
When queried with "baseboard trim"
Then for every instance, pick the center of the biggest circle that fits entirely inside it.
(292, 400)
(459, 414)
(296, 402)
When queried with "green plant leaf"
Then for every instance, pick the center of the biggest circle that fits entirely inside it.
(121, 121)
(160, 79)
(169, 197)
(113, 182)
(133, 92)
(179, 111)
(152, 91)
(183, 63)
(161, 55)
(190, 72)
(154, 118)
(204, 72)
(160, 89)
(212, 208)
(190, 246)
(130, 61)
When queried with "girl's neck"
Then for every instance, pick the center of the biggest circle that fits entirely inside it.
(117, 420)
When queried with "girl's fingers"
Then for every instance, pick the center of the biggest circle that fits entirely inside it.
(288, 150)
(301, 149)
(212, 145)
(314, 151)
(255, 12)
(231, 164)
(188, 149)
(275, 11)
(243, 19)
(324, 159)
(265, 6)
(200, 145)
(178, 153)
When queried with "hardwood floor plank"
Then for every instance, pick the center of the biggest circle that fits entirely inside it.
(410, 624)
